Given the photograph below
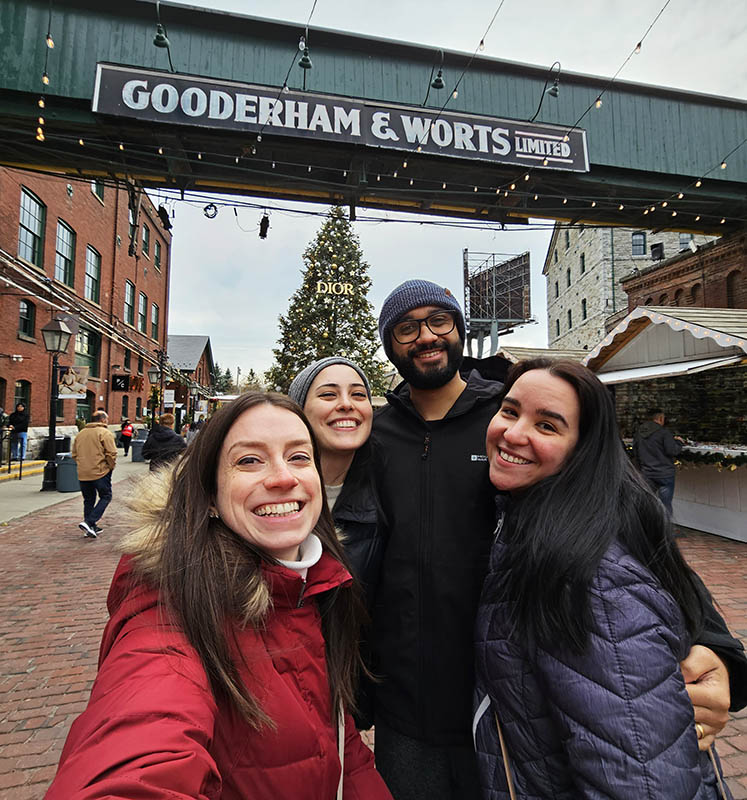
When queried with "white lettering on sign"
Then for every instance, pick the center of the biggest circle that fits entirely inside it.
(128, 95)
(380, 127)
(333, 287)
(221, 105)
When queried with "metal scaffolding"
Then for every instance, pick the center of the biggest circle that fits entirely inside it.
(496, 296)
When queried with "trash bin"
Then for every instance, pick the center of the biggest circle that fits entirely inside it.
(62, 444)
(136, 448)
(67, 473)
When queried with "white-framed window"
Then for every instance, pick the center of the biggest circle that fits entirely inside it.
(129, 303)
(685, 239)
(26, 315)
(146, 240)
(157, 254)
(64, 255)
(638, 243)
(142, 313)
(31, 228)
(97, 187)
(154, 317)
(92, 285)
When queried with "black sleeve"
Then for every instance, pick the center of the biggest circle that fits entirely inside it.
(715, 635)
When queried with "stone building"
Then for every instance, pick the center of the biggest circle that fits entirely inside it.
(584, 267)
(75, 249)
(713, 276)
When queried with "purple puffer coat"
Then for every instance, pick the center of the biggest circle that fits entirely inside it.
(614, 723)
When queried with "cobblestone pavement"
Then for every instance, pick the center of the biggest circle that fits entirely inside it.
(52, 610)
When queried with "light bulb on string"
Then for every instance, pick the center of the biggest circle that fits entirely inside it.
(664, 204)
(121, 146)
(236, 159)
(526, 177)
(481, 46)
(45, 79)
(723, 165)
(723, 220)
(41, 102)
(40, 130)
(378, 177)
(513, 186)
(404, 164)
(674, 213)
(39, 137)
(697, 219)
(81, 142)
(598, 102)
(285, 88)
(160, 151)
(536, 197)
(455, 94)
(199, 156)
(41, 120)
(273, 165)
(566, 137)
(475, 189)
(505, 194)
(698, 183)
(680, 195)
(395, 173)
(309, 170)
(420, 149)
(544, 162)
(653, 208)
(593, 203)
(645, 212)
(443, 185)
(620, 207)
(344, 173)
(50, 41)
(410, 181)
(565, 200)
(638, 48)
(302, 43)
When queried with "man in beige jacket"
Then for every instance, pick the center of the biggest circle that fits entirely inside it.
(95, 452)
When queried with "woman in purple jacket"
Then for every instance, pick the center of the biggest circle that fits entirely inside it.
(586, 612)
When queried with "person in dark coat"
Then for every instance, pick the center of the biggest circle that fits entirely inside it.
(18, 423)
(163, 443)
(655, 448)
(336, 397)
(227, 668)
(586, 613)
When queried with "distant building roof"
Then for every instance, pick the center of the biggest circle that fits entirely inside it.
(516, 354)
(185, 352)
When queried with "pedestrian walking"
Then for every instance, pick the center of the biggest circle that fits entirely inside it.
(95, 453)
(586, 612)
(227, 667)
(431, 471)
(163, 444)
(126, 433)
(655, 449)
(18, 423)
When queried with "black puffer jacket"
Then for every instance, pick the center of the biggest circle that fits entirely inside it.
(162, 445)
(432, 479)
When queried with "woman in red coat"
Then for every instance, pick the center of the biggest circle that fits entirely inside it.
(232, 644)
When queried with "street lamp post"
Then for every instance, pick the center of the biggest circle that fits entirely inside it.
(56, 338)
(194, 390)
(154, 376)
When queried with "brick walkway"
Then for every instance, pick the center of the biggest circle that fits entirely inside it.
(53, 585)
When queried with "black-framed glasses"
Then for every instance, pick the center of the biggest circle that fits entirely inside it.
(439, 323)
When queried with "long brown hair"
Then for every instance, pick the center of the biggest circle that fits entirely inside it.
(208, 574)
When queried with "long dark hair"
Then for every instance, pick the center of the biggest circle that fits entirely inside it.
(208, 574)
(559, 529)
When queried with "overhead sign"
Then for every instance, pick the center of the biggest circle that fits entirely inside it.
(227, 105)
(72, 383)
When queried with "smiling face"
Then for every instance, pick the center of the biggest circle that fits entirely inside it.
(432, 360)
(338, 408)
(268, 488)
(534, 432)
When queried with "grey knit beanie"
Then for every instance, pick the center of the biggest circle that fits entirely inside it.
(414, 294)
(301, 384)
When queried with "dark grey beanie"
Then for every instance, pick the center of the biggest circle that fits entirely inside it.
(414, 294)
(301, 384)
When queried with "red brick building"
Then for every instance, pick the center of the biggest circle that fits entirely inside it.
(714, 276)
(98, 256)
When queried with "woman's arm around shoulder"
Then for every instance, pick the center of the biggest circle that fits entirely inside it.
(147, 729)
(621, 705)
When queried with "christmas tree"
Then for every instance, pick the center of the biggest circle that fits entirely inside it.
(329, 314)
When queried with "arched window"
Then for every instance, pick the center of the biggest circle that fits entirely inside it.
(733, 284)
(664, 299)
(696, 295)
(583, 309)
(138, 407)
(649, 301)
(26, 314)
(678, 298)
(125, 406)
(638, 243)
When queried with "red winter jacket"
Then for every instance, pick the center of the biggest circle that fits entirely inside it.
(152, 728)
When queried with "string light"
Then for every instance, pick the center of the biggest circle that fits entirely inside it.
(680, 195)
(41, 120)
(160, 151)
(395, 173)
(638, 48)
(50, 41)
(236, 159)
(645, 212)
(698, 183)
(723, 220)
(513, 186)
(199, 156)
(566, 137)
(404, 164)
(565, 200)
(723, 165)
(411, 181)
(481, 46)
(259, 137)
(45, 79)
(674, 213)
(378, 177)
(309, 168)
(536, 197)
(620, 207)
(598, 102)
(40, 131)
(455, 94)
(593, 203)
(285, 88)
(475, 189)
(697, 219)
(121, 146)
(664, 204)
(443, 185)
(653, 208)
(419, 149)
(544, 162)
(526, 177)
(39, 137)
(273, 165)
(344, 173)
(81, 142)
(41, 102)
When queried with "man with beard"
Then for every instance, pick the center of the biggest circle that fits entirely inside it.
(437, 515)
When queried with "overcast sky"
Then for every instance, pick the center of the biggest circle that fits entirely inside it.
(230, 285)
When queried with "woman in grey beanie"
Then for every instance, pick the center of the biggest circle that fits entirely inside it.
(336, 398)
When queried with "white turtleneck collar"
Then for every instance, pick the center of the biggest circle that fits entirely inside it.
(310, 551)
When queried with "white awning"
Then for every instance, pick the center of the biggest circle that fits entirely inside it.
(666, 370)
